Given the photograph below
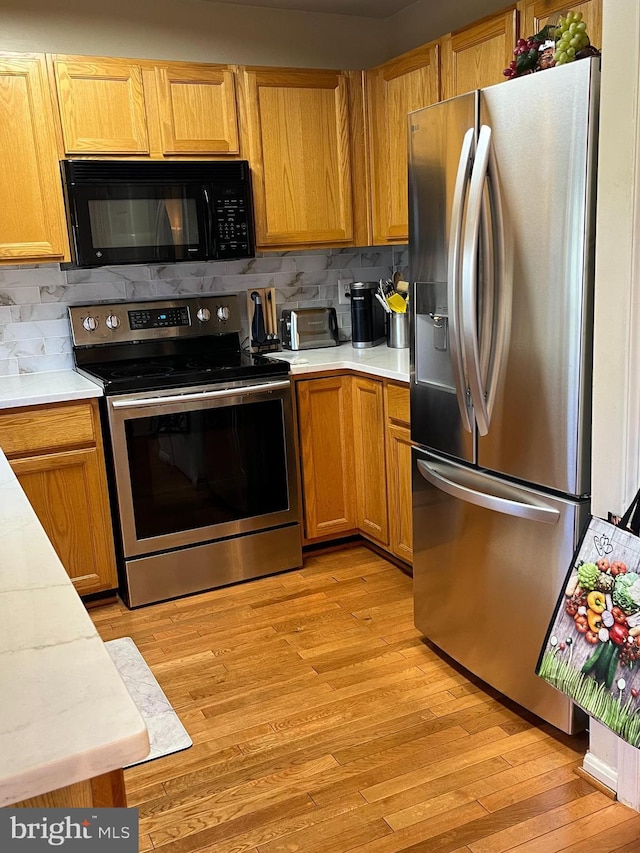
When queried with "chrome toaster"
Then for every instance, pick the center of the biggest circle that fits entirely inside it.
(308, 328)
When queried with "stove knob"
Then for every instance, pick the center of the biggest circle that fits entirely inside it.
(203, 314)
(112, 321)
(90, 323)
(223, 313)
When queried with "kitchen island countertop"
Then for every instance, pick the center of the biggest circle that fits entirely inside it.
(381, 361)
(65, 715)
(31, 389)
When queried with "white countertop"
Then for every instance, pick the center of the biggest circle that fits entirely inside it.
(381, 361)
(65, 713)
(30, 389)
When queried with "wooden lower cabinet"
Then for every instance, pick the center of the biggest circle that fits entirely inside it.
(398, 448)
(105, 791)
(56, 454)
(356, 460)
(326, 447)
(368, 443)
(399, 492)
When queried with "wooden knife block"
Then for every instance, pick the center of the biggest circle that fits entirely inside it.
(268, 297)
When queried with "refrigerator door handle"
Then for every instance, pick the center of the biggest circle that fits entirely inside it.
(510, 500)
(453, 277)
(469, 287)
(501, 283)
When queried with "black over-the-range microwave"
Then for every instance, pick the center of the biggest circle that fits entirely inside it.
(136, 212)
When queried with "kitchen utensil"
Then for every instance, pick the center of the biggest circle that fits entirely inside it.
(383, 302)
(271, 314)
(396, 303)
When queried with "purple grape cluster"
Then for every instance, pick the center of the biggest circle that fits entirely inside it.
(526, 53)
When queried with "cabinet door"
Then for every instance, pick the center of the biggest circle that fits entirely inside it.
(536, 14)
(394, 89)
(477, 55)
(31, 209)
(102, 107)
(368, 440)
(197, 107)
(326, 445)
(399, 492)
(297, 128)
(68, 492)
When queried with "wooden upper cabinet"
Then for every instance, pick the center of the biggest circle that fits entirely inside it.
(477, 55)
(31, 213)
(535, 14)
(297, 131)
(102, 105)
(197, 109)
(403, 84)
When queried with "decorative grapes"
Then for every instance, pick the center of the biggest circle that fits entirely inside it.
(556, 44)
(571, 37)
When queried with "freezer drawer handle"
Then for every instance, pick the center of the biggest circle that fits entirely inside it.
(512, 503)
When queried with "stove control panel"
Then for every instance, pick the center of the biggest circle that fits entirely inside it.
(124, 322)
(159, 318)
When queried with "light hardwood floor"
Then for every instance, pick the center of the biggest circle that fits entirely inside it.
(323, 723)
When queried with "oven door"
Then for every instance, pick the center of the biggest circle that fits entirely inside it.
(196, 465)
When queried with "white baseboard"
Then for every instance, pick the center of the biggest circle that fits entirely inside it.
(601, 771)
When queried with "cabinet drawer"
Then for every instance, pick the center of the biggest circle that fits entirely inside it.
(26, 431)
(398, 403)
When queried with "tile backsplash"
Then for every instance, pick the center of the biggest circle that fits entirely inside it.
(34, 329)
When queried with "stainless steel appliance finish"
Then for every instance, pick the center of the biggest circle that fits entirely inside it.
(309, 328)
(490, 558)
(202, 441)
(501, 360)
(236, 559)
(127, 409)
(163, 319)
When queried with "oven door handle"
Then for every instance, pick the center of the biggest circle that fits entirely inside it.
(241, 391)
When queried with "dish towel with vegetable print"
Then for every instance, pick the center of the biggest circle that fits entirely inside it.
(592, 648)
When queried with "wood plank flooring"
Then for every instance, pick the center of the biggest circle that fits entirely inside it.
(323, 723)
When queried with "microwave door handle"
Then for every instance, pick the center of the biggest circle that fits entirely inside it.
(208, 225)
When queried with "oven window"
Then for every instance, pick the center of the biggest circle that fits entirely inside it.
(209, 466)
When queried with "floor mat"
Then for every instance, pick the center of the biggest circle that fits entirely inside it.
(166, 732)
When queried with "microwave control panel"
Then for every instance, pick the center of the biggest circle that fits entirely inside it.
(232, 224)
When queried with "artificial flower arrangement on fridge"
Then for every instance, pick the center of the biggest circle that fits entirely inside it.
(592, 648)
(564, 39)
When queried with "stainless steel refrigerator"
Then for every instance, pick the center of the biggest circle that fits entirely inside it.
(501, 188)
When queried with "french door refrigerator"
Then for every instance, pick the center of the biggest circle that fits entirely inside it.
(501, 188)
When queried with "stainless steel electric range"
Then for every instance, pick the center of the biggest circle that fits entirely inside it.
(202, 445)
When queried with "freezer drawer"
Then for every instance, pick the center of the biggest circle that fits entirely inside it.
(489, 561)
